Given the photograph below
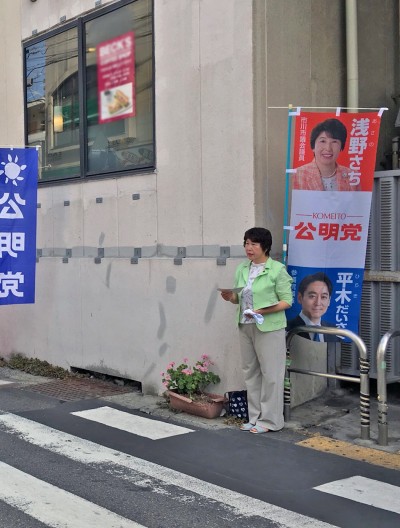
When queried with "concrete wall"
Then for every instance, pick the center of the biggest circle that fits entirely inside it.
(220, 68)
(304, 67)
(45, 14)
(379, 66)
(204, 112)
(128, 319)
(11, 100)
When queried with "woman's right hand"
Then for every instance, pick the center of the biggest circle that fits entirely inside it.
(229, 296)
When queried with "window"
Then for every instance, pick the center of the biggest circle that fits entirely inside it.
(89, 94)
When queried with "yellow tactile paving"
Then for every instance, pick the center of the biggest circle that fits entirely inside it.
(355, 452)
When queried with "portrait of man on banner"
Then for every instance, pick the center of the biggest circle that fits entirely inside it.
(314, 296)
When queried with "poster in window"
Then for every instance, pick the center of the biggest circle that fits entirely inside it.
(116, 78)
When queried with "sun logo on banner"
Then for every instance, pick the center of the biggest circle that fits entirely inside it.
(12, 170)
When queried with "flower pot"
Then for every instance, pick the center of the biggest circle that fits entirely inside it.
(205, 409)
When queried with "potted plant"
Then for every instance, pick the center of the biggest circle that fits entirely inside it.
(186, 388)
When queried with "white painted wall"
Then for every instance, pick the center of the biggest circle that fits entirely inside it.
(220, 169)
(42, 15)
(204, 109)
(127, 319)
(11, 100)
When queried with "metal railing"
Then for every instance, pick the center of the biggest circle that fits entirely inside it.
(363, 380)
(382, 386)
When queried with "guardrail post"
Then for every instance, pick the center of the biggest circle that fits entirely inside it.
(331, 352)
(363, 379)
(364, 399)
(287, 387)
(382, 386)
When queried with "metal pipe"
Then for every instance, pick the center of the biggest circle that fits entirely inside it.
(364, 371)
(382, 386)
(325, 375)
(287, 186)
(352, 53)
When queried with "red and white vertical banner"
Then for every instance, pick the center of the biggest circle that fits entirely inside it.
(116, 78)
(334, 161)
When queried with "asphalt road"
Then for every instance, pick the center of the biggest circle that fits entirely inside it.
(95, 463)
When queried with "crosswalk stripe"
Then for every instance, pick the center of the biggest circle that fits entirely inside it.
(366, 491)
(53, 506)
(3, 382)
(110, 461)
(153, 429)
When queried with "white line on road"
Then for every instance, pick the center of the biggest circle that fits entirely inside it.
(153, 429)
(112, 461)
(53, 506)
(366, 491)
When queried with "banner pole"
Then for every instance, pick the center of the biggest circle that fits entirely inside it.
(287, 186)
(12, 147)
(380, 109)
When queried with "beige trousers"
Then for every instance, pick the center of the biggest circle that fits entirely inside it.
(263, 363)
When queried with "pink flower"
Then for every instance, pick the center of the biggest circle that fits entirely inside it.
(177, 377)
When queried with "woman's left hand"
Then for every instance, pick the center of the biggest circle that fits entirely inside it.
(278, 307)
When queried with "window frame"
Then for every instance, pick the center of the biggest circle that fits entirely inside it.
(79, 23)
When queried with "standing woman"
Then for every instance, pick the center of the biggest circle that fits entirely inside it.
(266, 291)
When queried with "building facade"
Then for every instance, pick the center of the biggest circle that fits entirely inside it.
(143, 203)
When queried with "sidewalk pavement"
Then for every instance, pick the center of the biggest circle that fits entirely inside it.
(335, 415)
(330, 421)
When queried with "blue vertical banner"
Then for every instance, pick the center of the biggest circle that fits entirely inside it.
(18, 207)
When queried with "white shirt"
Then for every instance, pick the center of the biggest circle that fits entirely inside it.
(308, 322)
(247, 294)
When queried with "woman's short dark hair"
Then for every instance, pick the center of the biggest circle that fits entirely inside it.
(333, 127)
(261, 236)
(320, 276)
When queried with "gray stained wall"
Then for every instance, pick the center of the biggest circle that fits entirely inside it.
(221, 151)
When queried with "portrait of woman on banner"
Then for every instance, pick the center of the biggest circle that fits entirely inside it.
(324, 173)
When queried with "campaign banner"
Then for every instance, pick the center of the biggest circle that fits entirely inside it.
(334, 161)
(18, 206)
(116, 78)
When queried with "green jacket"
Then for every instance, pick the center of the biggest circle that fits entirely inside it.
(272, 285)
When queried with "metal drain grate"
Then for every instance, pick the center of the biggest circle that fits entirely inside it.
(78, 389)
